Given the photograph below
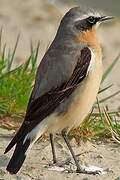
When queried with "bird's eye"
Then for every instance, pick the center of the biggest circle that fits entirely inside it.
(91, 19)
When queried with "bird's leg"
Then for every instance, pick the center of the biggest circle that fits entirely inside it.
(79, 168)
(53, 148)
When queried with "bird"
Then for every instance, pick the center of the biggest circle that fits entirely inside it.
(66, 85)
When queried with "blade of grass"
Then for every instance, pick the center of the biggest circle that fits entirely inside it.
(99, 109)
(13, 53)
(1, 30)
(26, 64)
(3, 52)
(111, 113)
(107, 72)
(116, 125)
(12, 71)
(35, 57)
(32, 50)
(107, 98)
(104, 89)
(87, 119)
(8, 56)
(110, 126)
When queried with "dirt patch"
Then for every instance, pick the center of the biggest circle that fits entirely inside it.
(10, 123)
(36, 164)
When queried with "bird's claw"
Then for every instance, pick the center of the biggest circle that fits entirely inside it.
(91, 170)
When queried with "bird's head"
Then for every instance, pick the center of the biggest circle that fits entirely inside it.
(79, 21)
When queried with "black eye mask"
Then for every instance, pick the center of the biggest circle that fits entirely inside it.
(86, 24)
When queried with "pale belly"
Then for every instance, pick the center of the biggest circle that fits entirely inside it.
(82, 102)
(80, 105)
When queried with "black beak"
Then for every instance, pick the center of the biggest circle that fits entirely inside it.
(105, 18)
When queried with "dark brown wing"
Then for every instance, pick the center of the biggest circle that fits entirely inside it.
(43, 106)
(46, 104)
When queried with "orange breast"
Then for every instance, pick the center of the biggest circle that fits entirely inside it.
(90, 38)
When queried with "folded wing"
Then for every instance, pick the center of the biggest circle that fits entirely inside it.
(46, 104)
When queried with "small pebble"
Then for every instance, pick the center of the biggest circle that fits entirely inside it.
(43, 158)
(100, 156)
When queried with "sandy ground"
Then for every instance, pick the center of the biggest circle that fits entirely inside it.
(36, 166)
(38, 20)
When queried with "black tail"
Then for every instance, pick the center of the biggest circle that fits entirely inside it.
(18, 156)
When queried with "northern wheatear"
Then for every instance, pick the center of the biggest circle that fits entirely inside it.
(66, 85)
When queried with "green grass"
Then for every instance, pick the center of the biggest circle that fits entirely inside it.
(16, 85)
